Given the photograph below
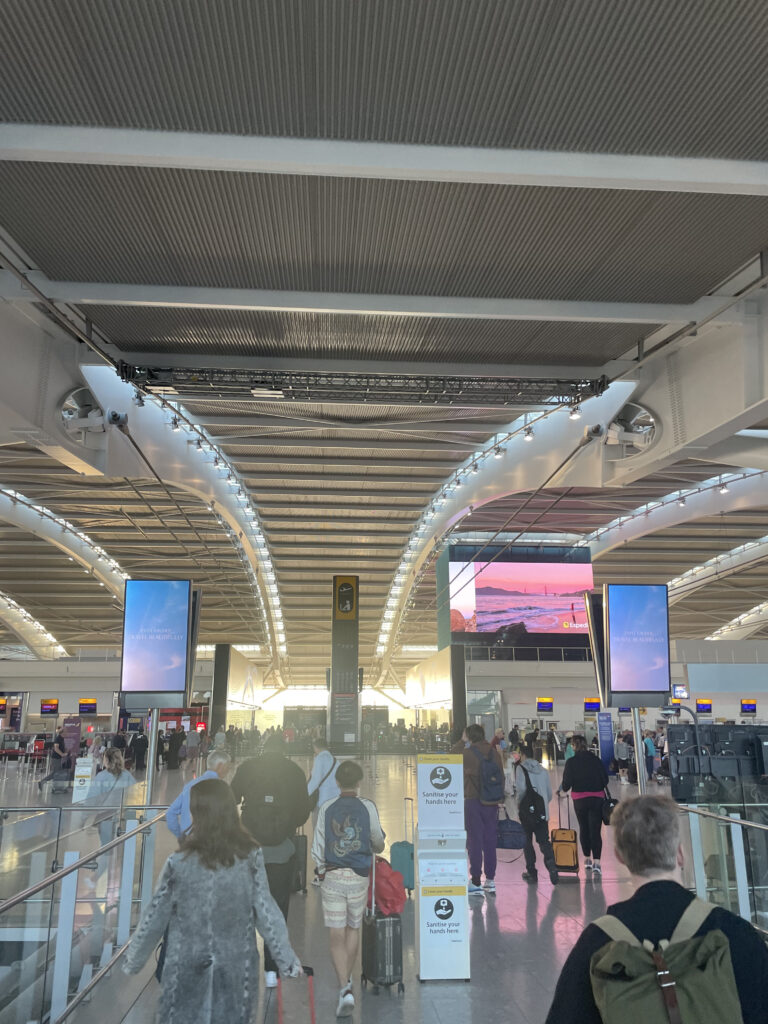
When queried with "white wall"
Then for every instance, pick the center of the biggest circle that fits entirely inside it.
(568, 684)
(70, 679)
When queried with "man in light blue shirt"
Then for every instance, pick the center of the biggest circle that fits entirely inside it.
(323, 777)
(178, 819)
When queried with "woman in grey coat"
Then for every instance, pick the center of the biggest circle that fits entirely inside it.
(212, 896)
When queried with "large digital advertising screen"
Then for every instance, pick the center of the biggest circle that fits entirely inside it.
(540, 597)
(637, 642)
(155, 636)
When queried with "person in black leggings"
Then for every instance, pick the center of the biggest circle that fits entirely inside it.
(585, 776)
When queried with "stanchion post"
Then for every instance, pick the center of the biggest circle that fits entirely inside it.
(152, 752)
(642, 777)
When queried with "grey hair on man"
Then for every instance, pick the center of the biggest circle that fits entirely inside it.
(646, 833)
(218, 761)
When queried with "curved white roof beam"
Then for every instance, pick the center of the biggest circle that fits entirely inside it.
(725, 564)
(181, 454)
(15, 508)
(31, 632)
(554, 454)
(747, 448)
(743, 625)
(747, 489)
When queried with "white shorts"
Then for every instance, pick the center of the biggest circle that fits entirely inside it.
(345, 896)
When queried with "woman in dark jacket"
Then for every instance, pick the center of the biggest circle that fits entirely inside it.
(585, 776)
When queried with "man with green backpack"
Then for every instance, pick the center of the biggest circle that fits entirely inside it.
(662, 955)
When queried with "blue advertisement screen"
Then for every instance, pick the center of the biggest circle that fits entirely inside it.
(638, 638)
(704, 707)
(591, 705)
(544, 706)
(155, 636)
(749, 707)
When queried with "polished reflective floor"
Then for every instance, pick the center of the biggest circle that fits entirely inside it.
(519, 938)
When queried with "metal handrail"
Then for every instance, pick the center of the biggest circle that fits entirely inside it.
(52, 879)
(721, 817)
(87, 989)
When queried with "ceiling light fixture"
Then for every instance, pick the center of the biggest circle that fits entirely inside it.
(575, 413)
(528, 436)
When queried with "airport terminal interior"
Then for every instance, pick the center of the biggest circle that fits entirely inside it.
(373, 371)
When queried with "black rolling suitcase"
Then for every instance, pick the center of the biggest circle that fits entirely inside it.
(382, 946)
(632, 769)
(300, 862)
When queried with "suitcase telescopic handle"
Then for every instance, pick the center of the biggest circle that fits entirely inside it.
(559, 809)
(373, 885)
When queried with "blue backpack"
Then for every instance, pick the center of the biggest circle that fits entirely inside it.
(491, 778)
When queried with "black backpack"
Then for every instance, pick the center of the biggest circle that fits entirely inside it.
(268, 813)
(491, 778)
(531, 807)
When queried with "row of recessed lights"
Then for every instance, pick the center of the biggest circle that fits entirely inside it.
(31, 621)
(713, 563)
(760, 610)
(719, 483)
(496, 450)
(226, 471)
(99, 554)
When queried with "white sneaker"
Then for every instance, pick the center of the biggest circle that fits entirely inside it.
(346, 1005)
(475, 890)
(316, 881)
(587, 865)
(270, 979)
(490, 887)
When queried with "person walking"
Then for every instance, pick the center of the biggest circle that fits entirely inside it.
(347, 835)
(106, 790)
(531, 741)
(650, 753)
(179, 817)
(621, 750)
(211, 899)
(534, 793)
(322, 780)
(553, 746)
(585, 776)
(174, 746)
(139, 746)
(481, 807)
(193, 747)
(59, 757)
(273, 792)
